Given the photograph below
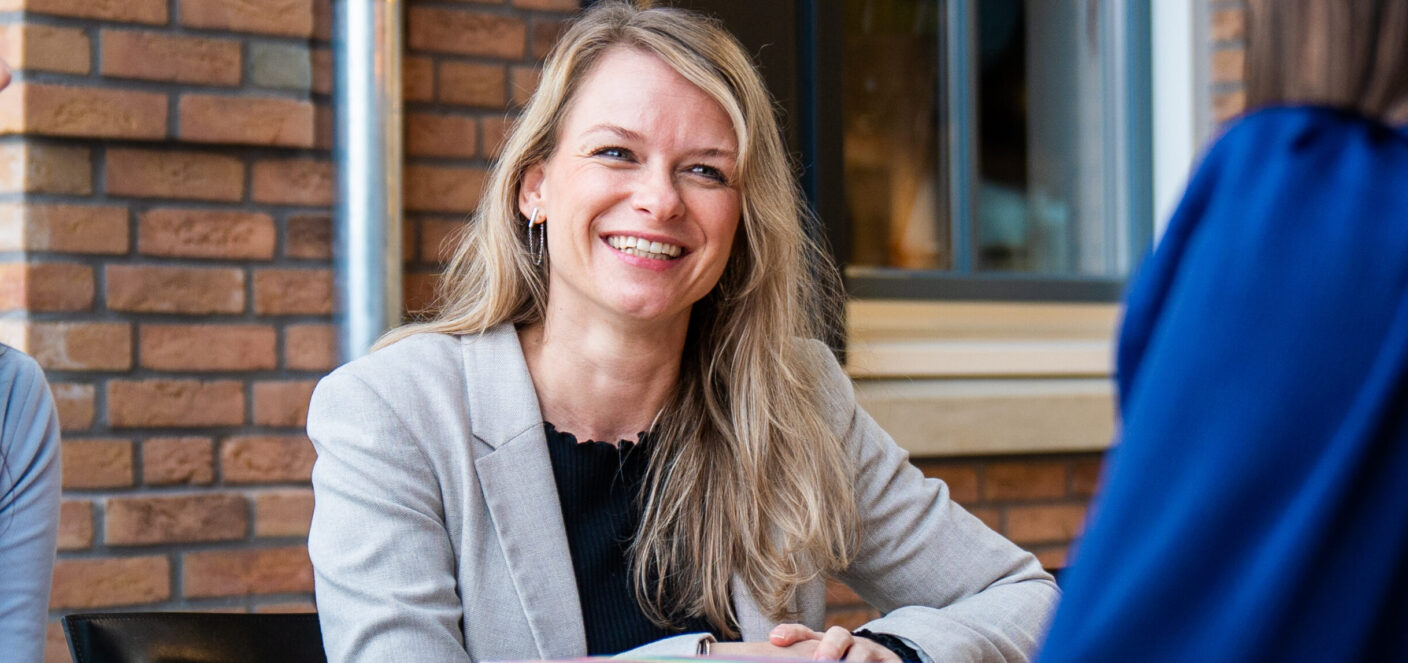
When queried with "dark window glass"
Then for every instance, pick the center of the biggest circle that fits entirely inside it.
(989, 138)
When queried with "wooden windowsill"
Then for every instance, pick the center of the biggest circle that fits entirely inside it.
(894, 339)
(984, 378)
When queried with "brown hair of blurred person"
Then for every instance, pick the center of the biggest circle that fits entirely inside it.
(1347, 54)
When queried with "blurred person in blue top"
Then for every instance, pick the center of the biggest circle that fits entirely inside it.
(29, 504)
(29, 498)
(1255, 507)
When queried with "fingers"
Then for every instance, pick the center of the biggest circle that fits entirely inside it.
(783, 635)
(800, 650)
(868, 651)
(803, 649)
(834, 644)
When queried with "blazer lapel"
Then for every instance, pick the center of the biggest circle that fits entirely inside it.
(809, 607)
(753, 625)
(518, 486)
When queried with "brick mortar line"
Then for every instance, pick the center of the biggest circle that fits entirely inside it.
(500, 9)
(152, 260)
(245, 152)
(481, 163)
(176, 29)
(98, 170)
(96, 81)
(100, 495)
(178, 549)
(282, 322)
(249, 410)
(173, 24)
(143, 374)
(459, 111)
(92, 32)
(438, 57)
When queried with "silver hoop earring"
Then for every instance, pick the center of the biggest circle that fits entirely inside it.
(537, 252)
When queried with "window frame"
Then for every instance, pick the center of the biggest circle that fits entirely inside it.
(1129, 142)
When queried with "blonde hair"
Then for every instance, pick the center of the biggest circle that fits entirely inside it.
(747, 477)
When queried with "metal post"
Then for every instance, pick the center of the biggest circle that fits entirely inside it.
(962, 96)
(367, 108)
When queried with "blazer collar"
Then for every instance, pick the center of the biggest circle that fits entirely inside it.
(502, 401)
(519, 490)
(523, 504)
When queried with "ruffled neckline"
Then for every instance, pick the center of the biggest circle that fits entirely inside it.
(594, 446)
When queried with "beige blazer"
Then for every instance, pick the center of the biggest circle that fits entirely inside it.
(437, 534)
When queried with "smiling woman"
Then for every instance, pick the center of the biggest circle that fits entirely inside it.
(639, 277)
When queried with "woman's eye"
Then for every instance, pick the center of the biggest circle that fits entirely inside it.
(709, 172)
(613, 153)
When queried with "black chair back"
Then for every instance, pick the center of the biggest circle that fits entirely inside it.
(194, 637)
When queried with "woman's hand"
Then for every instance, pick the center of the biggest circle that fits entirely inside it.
(836, 644)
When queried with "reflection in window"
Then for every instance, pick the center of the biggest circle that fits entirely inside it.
(1037, 174)
(893, 142)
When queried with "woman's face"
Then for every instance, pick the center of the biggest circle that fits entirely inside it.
(640, 196)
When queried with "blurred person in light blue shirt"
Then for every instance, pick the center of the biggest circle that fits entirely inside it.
(29, 504)
(29, 498)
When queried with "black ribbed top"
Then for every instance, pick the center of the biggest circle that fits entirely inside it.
(598, 483)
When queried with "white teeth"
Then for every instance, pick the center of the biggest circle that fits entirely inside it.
(644, 248)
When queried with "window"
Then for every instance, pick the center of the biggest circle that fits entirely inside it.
(994, 149)
(966, 149)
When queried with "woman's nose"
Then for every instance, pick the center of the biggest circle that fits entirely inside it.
(657, 194)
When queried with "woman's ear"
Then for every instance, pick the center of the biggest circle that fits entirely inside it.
(530, 192)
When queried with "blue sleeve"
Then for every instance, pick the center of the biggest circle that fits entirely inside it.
(29, 505)
(1255, 507)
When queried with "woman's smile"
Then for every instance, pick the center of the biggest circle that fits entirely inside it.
(644, 248)
(645, 251)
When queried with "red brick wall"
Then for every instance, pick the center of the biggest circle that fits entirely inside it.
(1228, 32)
(462, 68)
(1037, 501)
(165, 194)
